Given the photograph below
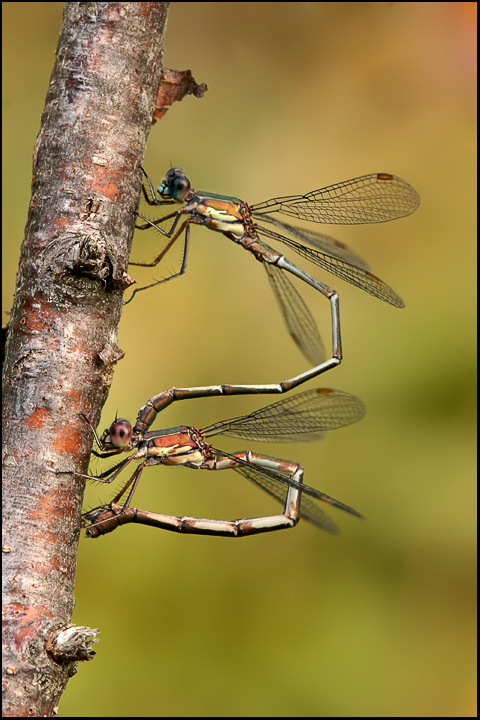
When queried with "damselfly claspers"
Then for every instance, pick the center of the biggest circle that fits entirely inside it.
(303, 417)
(373, 198)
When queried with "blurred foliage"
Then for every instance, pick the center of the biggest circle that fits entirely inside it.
(379, 621)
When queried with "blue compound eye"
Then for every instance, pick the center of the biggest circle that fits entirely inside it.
(179, 187)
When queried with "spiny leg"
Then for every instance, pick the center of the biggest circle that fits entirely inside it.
(183, 267)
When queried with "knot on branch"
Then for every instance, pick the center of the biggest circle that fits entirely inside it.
(72, 643)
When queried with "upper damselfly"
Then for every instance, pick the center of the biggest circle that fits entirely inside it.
(303, 417)
(374, 198)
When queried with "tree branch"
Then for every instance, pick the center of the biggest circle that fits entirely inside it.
(61, 347)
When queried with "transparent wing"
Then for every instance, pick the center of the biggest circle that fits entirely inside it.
(299, 418)
(326, 243)
(352, 274)
(374, 198)
(300, 323)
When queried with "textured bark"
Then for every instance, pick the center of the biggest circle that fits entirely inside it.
(62, 339)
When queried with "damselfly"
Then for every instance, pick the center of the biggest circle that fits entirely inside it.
(303, 417)
(373, 198)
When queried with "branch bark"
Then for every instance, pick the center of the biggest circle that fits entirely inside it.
(61, 347)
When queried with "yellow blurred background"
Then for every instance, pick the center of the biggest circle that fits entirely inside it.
(381, 620)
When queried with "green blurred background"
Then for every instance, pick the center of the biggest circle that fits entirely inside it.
(380, 620)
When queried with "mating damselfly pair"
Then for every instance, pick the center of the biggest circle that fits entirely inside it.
(377, 197)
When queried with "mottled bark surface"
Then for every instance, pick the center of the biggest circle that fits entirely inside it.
(62, 339)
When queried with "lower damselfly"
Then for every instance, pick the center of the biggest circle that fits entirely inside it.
(374, 198)
(300, 418)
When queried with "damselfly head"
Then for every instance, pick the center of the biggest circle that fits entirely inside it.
(118, 434)
(175, 185)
